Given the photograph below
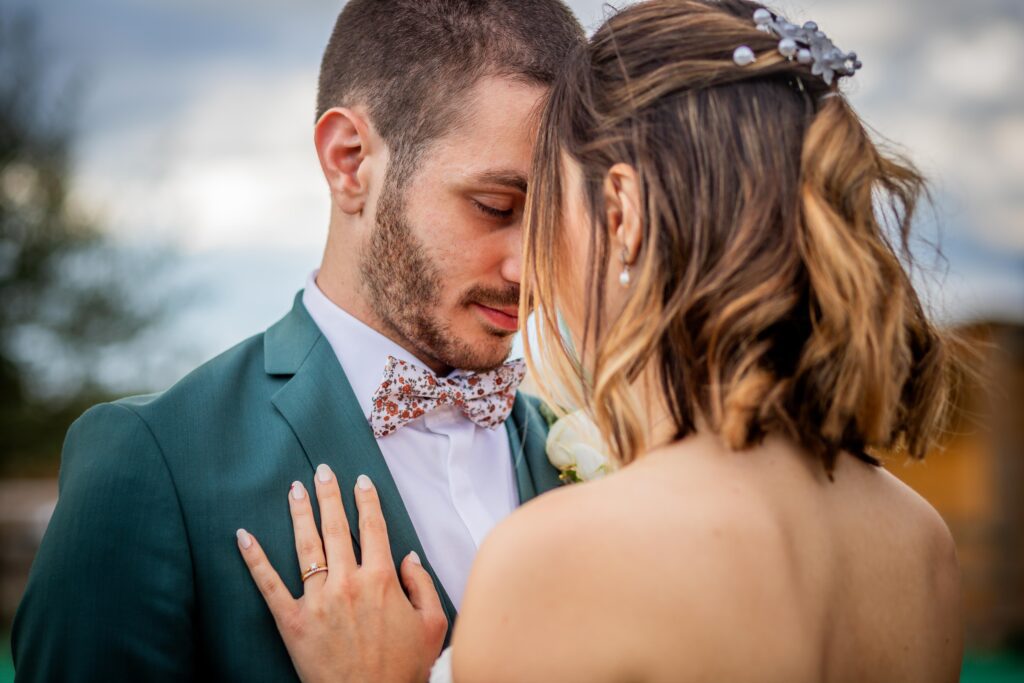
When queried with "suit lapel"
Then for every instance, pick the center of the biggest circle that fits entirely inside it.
(527, 436)
(323, 412)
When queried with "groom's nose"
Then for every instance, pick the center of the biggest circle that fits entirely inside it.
(512, 264)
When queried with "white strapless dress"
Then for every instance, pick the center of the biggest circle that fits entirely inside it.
(442, 670)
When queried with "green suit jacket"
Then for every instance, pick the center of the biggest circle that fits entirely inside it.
(138, 577)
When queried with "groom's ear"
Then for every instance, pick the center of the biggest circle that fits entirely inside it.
(343, 142)
(623, 215)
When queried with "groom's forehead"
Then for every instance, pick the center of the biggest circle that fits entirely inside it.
(493, 141)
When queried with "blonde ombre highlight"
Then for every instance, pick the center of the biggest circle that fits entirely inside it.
(771, 292)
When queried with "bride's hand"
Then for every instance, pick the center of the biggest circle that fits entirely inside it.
(352, 623)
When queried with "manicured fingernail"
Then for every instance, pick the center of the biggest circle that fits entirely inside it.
(298, 490)
(244, 539)
(323, 473)
(364, 483)
(414, 557)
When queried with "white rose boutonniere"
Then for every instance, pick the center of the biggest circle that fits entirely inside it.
(575, 447)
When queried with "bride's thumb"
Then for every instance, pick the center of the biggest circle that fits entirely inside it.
(422, 593)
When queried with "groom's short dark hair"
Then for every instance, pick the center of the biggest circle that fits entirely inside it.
(409, 61)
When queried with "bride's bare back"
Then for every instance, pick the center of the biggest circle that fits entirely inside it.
(697, 563)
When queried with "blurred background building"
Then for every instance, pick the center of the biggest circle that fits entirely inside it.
(160, 200)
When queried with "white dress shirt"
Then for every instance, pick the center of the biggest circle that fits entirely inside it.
(456, 479)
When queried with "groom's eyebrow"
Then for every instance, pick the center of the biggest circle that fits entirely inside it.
(512, 179)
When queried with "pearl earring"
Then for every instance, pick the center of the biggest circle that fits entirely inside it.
(624, 276)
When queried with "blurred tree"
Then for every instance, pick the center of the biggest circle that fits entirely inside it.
(63, 286)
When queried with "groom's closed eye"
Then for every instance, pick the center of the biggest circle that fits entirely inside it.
(493, 211)
(497, 194)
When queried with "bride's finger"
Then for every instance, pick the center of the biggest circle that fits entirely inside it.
(274, 592)
(424, 598)
(334, 524)
(373, 530)
(308, 546)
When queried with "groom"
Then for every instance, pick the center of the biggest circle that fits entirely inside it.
(424, 134)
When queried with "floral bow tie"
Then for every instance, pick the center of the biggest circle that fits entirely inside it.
(409, 391)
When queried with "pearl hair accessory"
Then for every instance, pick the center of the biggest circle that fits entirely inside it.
(806, 44)
(743, 56)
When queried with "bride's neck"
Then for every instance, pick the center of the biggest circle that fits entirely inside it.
(660, 427)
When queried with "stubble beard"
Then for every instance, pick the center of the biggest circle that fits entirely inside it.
(404, 287)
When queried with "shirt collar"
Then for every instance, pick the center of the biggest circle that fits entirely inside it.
(362, 351)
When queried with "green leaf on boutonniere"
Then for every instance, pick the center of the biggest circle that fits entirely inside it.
(548, 414)
(569, 476)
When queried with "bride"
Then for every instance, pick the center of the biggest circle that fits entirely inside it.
(726, 245)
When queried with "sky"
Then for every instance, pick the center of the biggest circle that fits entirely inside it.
(195, 122)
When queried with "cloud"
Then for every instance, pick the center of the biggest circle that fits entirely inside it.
(978, 65)
(236, 166)
(196, 130)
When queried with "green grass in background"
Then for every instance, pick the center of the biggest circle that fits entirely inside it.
(6, 665)
(999, 667)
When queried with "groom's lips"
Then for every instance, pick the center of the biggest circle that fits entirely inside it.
(504, 318)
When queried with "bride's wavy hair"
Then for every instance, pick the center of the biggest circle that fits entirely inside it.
(771, 293)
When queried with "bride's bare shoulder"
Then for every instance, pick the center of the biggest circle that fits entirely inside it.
(604, 570)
